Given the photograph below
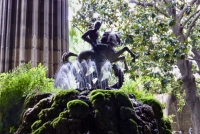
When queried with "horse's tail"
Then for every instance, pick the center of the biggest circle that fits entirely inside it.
(66, 55)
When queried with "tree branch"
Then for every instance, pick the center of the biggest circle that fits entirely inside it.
(184, 9)
(142, 3)
(146, 4)
(190, 18)
(180, 16)
(192, 2)
(192, 25)
(194, 59)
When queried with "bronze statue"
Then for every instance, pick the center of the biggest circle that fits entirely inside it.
(106, 48)
(91, 36)
(120, 75)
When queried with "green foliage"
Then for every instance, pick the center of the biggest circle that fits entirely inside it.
(150, 34)
(76, 43)
(143, 30)
(20, 82)
(181, 101)
(136, 88)
(147, 32)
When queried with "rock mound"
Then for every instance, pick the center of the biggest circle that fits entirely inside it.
(95, 112)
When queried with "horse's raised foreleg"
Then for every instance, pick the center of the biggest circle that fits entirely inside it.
(118, 53)
(124, 60)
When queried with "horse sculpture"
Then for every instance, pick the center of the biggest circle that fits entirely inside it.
(107, 52)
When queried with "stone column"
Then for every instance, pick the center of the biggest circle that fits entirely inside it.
(33, 30)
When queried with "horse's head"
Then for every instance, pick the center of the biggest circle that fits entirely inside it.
(112, 38)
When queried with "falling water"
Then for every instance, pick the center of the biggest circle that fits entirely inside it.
(83, 75)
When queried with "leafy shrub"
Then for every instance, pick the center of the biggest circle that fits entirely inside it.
(20, 82)
(130, 86)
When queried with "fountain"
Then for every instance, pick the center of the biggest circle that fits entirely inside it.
(93, 68)
(83, 75)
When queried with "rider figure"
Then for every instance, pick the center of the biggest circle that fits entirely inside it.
(91, 36)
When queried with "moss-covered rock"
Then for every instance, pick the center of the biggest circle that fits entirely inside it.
(46, 128)
(167, 123)
(164, 125)
(59, 124)
(156, 106)
(100, 97)
(31, 115)
(48, 114)
(61, 99)
(36, 125)
(78, 108)
(33, 99)
(96, 112)
(64, 114)
(126, 113)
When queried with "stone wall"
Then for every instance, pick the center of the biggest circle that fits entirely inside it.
(184, 118)
(180, 118)
(33, 30)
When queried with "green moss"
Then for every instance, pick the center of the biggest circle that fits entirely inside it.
(78, 108)
(58, 121)
(156, 106)
(166, 125)
(40, 130)
(64, 114)
(128, 127)
(36, 125)
(168, 131)
(122, 99)
(60, 125)
(46, 128)
(48, 114)
(61, 98)
(98, 100)
(101, 97)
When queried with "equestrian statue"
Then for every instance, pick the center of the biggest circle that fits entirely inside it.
(101, 51)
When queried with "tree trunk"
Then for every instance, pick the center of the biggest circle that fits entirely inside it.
(192, 97)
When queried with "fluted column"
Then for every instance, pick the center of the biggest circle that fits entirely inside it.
(33, 30)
